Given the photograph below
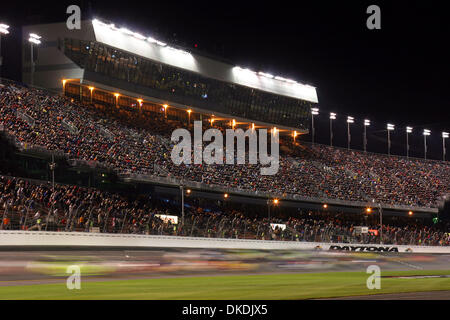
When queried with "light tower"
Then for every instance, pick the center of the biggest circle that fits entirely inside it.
(33, 39)
(390, 127)
(349, 120)
(426, 133)
(314, 112)
(3, 30)
(445, 135)
(332, 117)
(408, 131)
(366, 124)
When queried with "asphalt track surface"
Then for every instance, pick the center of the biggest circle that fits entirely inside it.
(25, 267)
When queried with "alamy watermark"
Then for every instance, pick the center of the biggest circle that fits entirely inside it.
(374, 20)
(74, 280)
(213, 153)
(74, 20)
(374, 280)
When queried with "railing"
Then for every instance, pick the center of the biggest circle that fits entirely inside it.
(85, 219)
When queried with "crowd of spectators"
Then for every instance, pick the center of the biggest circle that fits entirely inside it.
(129, 141)
(36, 205)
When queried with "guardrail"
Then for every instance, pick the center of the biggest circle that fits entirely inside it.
(45, 239)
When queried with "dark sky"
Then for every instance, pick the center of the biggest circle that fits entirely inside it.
(399, 74)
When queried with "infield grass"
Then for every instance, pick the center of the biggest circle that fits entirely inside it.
(274, 286)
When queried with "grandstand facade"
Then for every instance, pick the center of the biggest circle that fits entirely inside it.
(101, 56)
(121, 95)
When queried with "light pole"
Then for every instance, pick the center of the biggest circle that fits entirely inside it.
(3, 30)
(332, 117)
(52, 168)
(182, 205)
(408, 131)
(349, 120)
(426, 133)
(380, 209)
(34, 38)
(314, 112)
(366, 124)
(445, 135)
(275, 202)
(390, 127)
(381, 223)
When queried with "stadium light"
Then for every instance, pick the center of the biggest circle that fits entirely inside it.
(314, 112)
(274, 130)
(445, 135)
(225, 195)
(325, 206)
(408, 131)
(426, 133)
(140, 101)
(295, 134)
(3, 30)
(64, 86)
(274, 202)
(138, 36)
(267, 75)
(189, 116)
(165, 106)
(280, 78)
(390, 127)
(33, 39)
(369, 210)
(188, 191)
(410, 213)
(233, 123)
(126, 31)
(91, 89)
(366, 124)
(332, 117)
(117, 99)
(349, 120)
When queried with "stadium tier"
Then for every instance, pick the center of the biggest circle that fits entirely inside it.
(31, 205)
(136, 143)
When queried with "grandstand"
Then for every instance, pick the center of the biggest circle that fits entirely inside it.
(119, 96)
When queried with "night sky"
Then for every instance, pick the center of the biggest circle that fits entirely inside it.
(399, 74)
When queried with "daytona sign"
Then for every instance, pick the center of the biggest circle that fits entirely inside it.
(364, 248)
